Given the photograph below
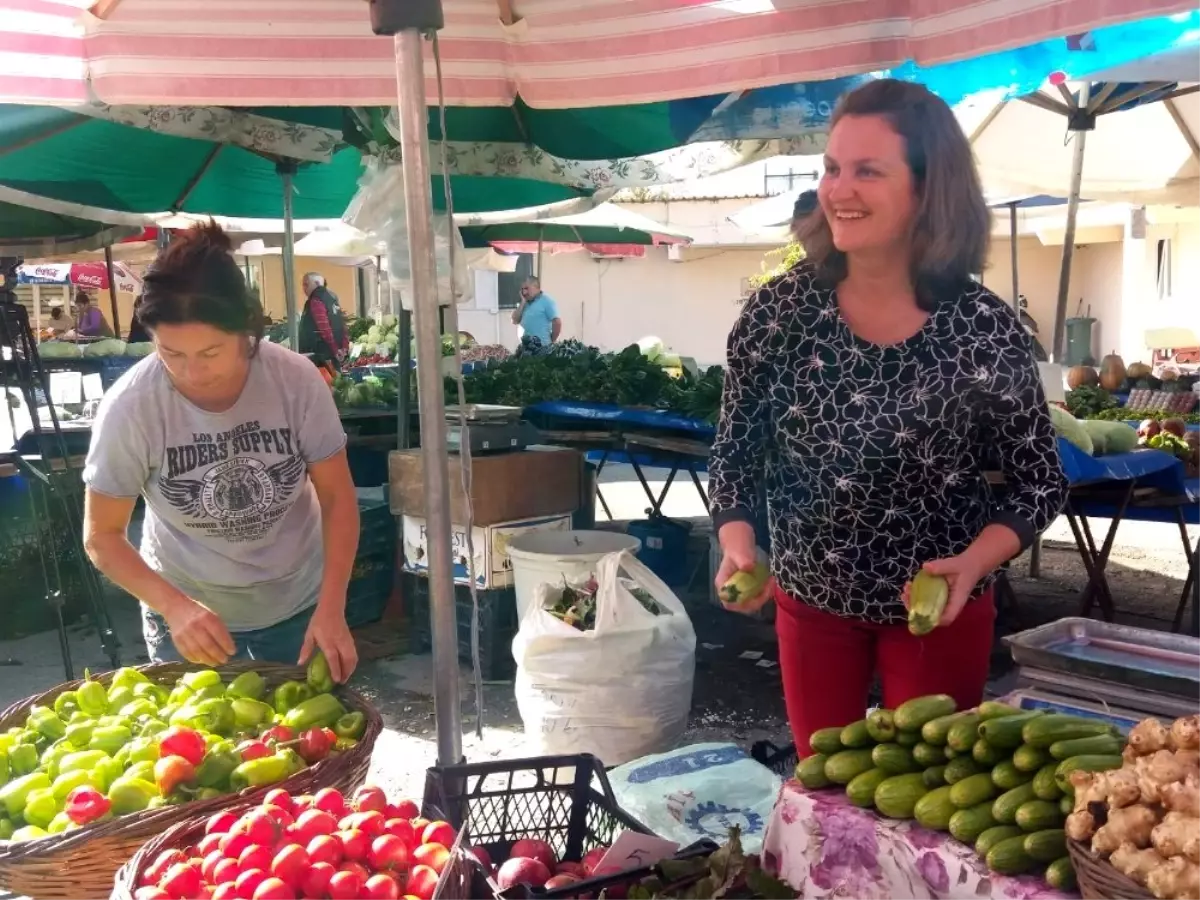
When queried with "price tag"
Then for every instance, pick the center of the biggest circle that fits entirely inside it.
(93, 386)
(633, 851)
(66, 388)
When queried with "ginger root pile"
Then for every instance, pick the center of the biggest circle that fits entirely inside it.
(1145, 816)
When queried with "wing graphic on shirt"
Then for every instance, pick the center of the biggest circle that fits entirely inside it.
(286, 474)
(182, 493)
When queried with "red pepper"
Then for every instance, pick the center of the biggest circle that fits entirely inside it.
(249, 750)
(182, 742)
(329, 733)
(280, 734)
(86, 804)
(314, 745)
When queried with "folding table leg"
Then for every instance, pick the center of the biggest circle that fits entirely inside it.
(699, 487)
(1191, 584)
(655, 503)
(599, 494)
(1098, 581)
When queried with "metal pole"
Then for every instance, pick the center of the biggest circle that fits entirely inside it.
(1012, 231)
(286, 170)
(541, 237)
(112, 290)
(414, 149)
(1064, 277)
(404, 380)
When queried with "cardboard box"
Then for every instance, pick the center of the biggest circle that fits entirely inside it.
(493, 568)
(505, 487)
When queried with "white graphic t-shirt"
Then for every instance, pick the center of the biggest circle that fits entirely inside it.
(231, 517)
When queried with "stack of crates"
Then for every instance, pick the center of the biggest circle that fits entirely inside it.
(374, 572)
(497, 623)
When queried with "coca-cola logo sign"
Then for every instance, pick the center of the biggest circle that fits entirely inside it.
(87, 280)
(45, 272)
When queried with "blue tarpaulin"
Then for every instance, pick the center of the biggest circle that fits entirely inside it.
(1150, 468)
(601, 412)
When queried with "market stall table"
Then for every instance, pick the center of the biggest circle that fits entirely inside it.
(824, 846)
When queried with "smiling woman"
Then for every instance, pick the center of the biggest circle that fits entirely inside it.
(235, 444)
(869, 388)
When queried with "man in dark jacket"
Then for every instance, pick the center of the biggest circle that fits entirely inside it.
(322, 325)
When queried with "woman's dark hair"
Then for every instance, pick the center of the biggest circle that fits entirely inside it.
(952, 227)
(196, 279)
(82, 297)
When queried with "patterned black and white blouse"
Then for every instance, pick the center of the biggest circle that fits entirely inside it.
(873, 456)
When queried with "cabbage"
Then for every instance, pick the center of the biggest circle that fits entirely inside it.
(59, 350)
(390, 321)
(1068, 427)
(374, 334)
(106, 347)
(139, 348)
(1110, 437)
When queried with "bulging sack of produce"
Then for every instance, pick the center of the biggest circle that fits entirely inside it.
(606, 668)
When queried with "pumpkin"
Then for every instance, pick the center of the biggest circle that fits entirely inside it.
(1138, 370)
(1079, 376)
(1112, 372)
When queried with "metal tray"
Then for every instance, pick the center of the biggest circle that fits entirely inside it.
(1136, 657)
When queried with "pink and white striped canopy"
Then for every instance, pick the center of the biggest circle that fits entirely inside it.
(555, 53)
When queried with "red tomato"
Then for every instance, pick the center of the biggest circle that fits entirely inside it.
(345, 886)
(208, 844)
(331, 801)
(290, 864)
(325, 848)
(273, 889)
(182, 880)
(422, 882)
(357, 868)
(154, 874)
(312, 823)
(226, 871)
(221, 822)
(316, 880)
(407, 809)
(370, 799)
(281, 798)
(259, 827)
(438, 833)
(209, 864)
(150, 892)
(256, 856)
(485, 858)
(381, 887)
(250, 750)
(355, 845)
(401, 828)
(246, 883)
(227, 891)
(281, 816)
(301, 804)
(182, 742)
(370, 823)
(279, 734)
(389, 854)
(419, 823)
(433, 855)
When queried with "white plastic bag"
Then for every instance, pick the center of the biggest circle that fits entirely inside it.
(698, 792)
(619, 691)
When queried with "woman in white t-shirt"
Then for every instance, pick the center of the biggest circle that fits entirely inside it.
(251, 522)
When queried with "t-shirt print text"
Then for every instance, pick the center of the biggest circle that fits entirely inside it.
(239, 496)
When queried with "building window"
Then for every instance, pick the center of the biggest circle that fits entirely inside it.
(1163, 272)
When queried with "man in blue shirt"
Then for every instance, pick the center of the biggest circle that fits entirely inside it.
(538, 313)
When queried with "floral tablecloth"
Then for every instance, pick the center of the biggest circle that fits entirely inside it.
(825, 847)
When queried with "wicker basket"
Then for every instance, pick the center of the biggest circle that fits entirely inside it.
(1098, 880)
(82, 863)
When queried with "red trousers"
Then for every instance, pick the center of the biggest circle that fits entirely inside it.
(828, 662)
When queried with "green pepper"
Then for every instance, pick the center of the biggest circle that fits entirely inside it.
(81, 759)
(137, 709)
(119, 696)
(317, 675)
(22, 759)
(212, 716)
(143, 749)
(289, 695)
(79, 734)
(110, 739)
(207, 794)
(143, 770)
(212, 692)
(257, 772)
(66, 704)
(169, 710)
(180, 694)
(129, 795)
(92, 698)
(60, 823)
(128, 677)
(29, 833)
(51, 758)
(351, 725)
(200, 679)
(152, 728)
(14, 794)
(343, 744)
(5, 771)
(109, 721)
(40, 807)
(218, 764)
(105, 773)
(250, 714)
(248, 686)
(80, 716)
(46, 722)
(6, 830)
(319, 712)
(156, 694)
(64, 784)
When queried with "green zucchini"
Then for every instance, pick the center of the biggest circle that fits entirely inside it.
(861, 789)
(1005, 808)
(810, 772)
(959, 768)
(1060, 874)
(994, 709)
(893, 759)
(1006, 776)
(1009, 857)
(935, 731)
(935, 776)
(964, 733)
(1046, 845)
(928, 754)
(856, 735)
(908, 738)
(972, 790)
(844, 767)
(1005, 732)
(934, 810)
(1045, 785)
(1066, 805)
(968, 824)
(913, 714)
(987, 755)
(1101, 745)
(1030, 759)
(1062, 775)
(1038, 815)
(898, 795)
(1046, 730)
(950, 752)
(993, 836)
(826, 740)
(881, 726)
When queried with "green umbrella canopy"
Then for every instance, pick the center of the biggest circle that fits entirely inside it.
(65, 156)
(605, 224)
(34, 233)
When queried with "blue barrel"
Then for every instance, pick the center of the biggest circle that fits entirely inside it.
(664, 547)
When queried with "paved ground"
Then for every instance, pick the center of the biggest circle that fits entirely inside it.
(735, 698)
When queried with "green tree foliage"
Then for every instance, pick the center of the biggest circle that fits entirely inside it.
(776, 262)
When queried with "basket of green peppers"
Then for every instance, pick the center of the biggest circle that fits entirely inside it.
(91, 769)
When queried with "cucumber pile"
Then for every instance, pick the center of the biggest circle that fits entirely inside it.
(995, 777)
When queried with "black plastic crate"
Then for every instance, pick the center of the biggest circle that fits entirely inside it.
(377, 532)
(780, 760)
(370, 587)
(551, 798)
(497, 624)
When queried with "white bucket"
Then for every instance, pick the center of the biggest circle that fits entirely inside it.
(547, 557)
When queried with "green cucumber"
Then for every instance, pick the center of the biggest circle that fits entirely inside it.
(894, 759)
(810, 772)
(855, 735)
(881, 726)
(898, 795)
(844, 767)
(935, 776)
(928, 754)
(964, 733)
(995, 835)
(1060, 875)
(959, 768)
(935, 731)
(1062, 775)
(826, 740)
(934, 810)
(1038, 815)
(1006, 776)
(1101, 745)
(987, 755)
(1045, 785)
(1005, 808)
(973, 790)
(1009, 857)
(861, 789)
(1047, 730)
(1005, 732)
(968, 824)
(1047, 845)
(1066, 805)
(913, 714)
(994, 709)
(908, 738)
(1030, 759)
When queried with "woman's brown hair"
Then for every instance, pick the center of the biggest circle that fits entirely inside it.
(196, 279)
(952, 226)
